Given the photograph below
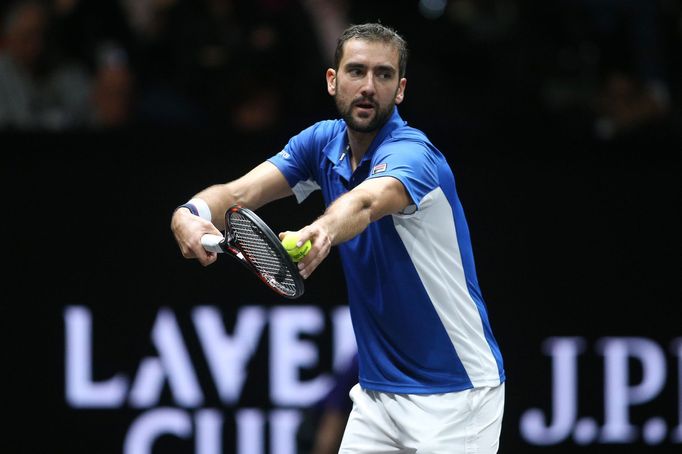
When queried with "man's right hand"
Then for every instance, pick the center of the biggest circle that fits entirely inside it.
(188, 230)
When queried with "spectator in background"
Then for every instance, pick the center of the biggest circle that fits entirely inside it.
(113, 89)
(603, 63)
(36, 91)
(329, 18)
(634, 88)
(323, 424)
(81, 28)
(231, 63)
(256, 105)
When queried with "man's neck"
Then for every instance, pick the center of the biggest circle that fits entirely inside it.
(359, 142)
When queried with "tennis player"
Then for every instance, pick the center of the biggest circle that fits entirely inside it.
(431, 377)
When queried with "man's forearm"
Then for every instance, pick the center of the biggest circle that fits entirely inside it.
(261, 185)
(347, 217)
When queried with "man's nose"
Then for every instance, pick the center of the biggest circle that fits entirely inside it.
(368, 85)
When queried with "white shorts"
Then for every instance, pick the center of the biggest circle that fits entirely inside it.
(452, 423)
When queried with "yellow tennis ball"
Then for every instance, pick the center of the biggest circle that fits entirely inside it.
(296, 253)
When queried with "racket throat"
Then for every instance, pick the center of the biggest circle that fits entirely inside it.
(236, 252)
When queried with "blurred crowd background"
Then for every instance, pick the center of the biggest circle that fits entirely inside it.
(601, 68)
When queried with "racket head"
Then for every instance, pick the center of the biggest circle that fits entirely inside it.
(262, 250)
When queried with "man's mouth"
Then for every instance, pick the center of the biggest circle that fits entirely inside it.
(364, 106)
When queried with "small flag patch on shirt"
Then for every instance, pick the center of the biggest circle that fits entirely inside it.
(379, 168)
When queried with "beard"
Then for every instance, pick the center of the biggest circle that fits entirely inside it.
(381, 114)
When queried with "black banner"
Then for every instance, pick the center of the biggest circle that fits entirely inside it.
(118, 344)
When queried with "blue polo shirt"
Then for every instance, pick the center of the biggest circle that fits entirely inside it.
(420, 321)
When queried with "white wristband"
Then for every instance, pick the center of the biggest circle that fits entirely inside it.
(202, 208)
(198, 207)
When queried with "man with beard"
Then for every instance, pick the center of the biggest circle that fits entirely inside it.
(431, 377)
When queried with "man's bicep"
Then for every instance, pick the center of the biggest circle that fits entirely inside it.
(388, 196)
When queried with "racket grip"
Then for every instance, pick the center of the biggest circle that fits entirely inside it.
(213, 243)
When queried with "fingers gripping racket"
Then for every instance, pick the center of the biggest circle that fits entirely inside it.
(252, 243)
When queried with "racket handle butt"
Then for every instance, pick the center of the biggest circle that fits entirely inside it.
(212, 243)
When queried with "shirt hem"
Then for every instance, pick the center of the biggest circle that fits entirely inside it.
(426, 389)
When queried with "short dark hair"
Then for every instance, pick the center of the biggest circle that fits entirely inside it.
(373, 32)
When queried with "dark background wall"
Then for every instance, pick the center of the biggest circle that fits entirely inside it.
(566, 246)
(574, 225)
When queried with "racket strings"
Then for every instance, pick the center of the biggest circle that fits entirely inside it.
(262, 254)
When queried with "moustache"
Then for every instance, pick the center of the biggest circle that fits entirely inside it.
(365, 101)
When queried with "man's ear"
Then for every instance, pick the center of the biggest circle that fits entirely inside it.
(400, 94)
(331, 81)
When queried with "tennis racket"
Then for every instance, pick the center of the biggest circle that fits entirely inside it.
(249, 240)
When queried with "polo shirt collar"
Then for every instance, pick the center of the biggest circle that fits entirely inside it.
(337, 149)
